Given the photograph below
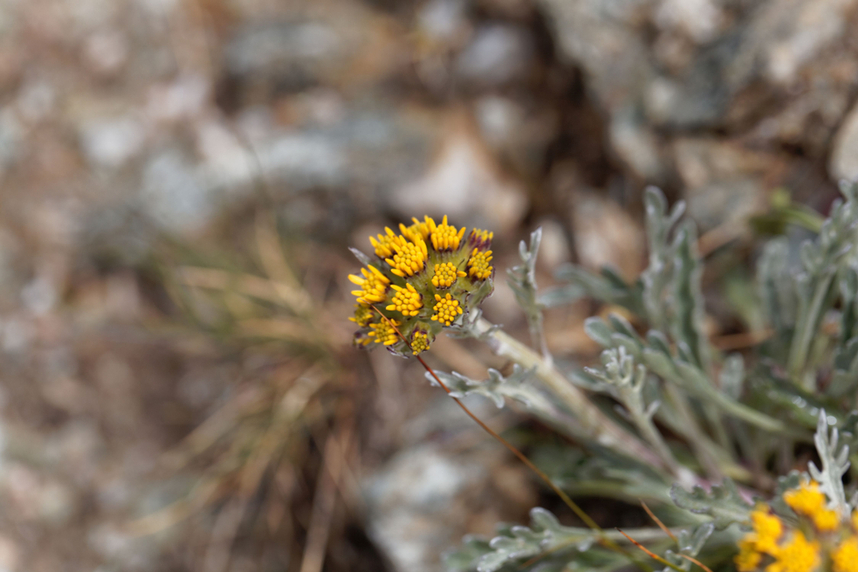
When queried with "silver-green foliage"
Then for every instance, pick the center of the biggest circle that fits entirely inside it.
(733, 415)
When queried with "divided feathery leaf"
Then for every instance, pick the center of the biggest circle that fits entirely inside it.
(687, 298)
(821, 260)
(608, 286)
(362, 258)
(545, 534)
(659, 273)
(732, 376)
(689, 543)
(523, 283)
(466, 557)
(723, 503)
(468, 327)
(835, 463)
(497, 387)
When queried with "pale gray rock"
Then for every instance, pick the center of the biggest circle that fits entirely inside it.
(496, 55)
(112, 142)
(172, 194)
(843, 163)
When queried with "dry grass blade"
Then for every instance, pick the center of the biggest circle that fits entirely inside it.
(288, 411)
(333, 465)
(658, 521)
(278, 328)
(214, 279)
(224, 531)
(695, 561)
(174, 513)
(650, 553)
(273, 260)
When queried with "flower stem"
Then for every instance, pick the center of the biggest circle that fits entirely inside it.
(595, 425)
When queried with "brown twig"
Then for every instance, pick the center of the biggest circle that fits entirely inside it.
(658, 522)
(694, 560)
(650, 553)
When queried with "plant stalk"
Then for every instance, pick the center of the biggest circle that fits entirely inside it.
(596, 426)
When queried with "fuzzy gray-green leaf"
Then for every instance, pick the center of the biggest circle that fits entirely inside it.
(723, 503)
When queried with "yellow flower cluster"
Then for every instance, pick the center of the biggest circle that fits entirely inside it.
(444, 236)
(822, 535)
(809, 501)
(384, 332)
(409, 258)
(407, 301)
(419, 342)
(478, 264)
(373, 286)
(422, 279)
(445, 275)
(446, 310)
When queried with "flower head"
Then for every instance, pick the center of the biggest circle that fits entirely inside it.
(480, 239)
(478, 264)
(385, 244)
(363, 315)
(444, 236)
(407, 301)
(419, 342)
(820, 535)
(768, 529)
(805, 500)
(424, 280)
(373, 286)
(409, 258)
(445, 275)
(749, 557)
(446, 309)
(797, 555)
(845, 557)
(421, 229)
(384, 332)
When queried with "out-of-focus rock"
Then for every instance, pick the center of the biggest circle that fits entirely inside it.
(111, 142)
(425, 499)
(780, 70)
(724, 181)
(500, 120)
(497, 54)
(602, 37)
(349, 47)
(843, 163)
(173, 195)
(118, 547)
(464, 182)
(636, 145)
(31, 496)
(700, 20)
(554, 248)
(791, 33)
(181, 99)
(106, 51)
(10, 555)
(11, 138)
(517, 134)
(442, 20)
(605, 235)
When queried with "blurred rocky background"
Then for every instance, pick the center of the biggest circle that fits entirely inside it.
(179, 181)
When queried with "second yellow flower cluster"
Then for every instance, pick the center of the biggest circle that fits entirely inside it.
(823, 539)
